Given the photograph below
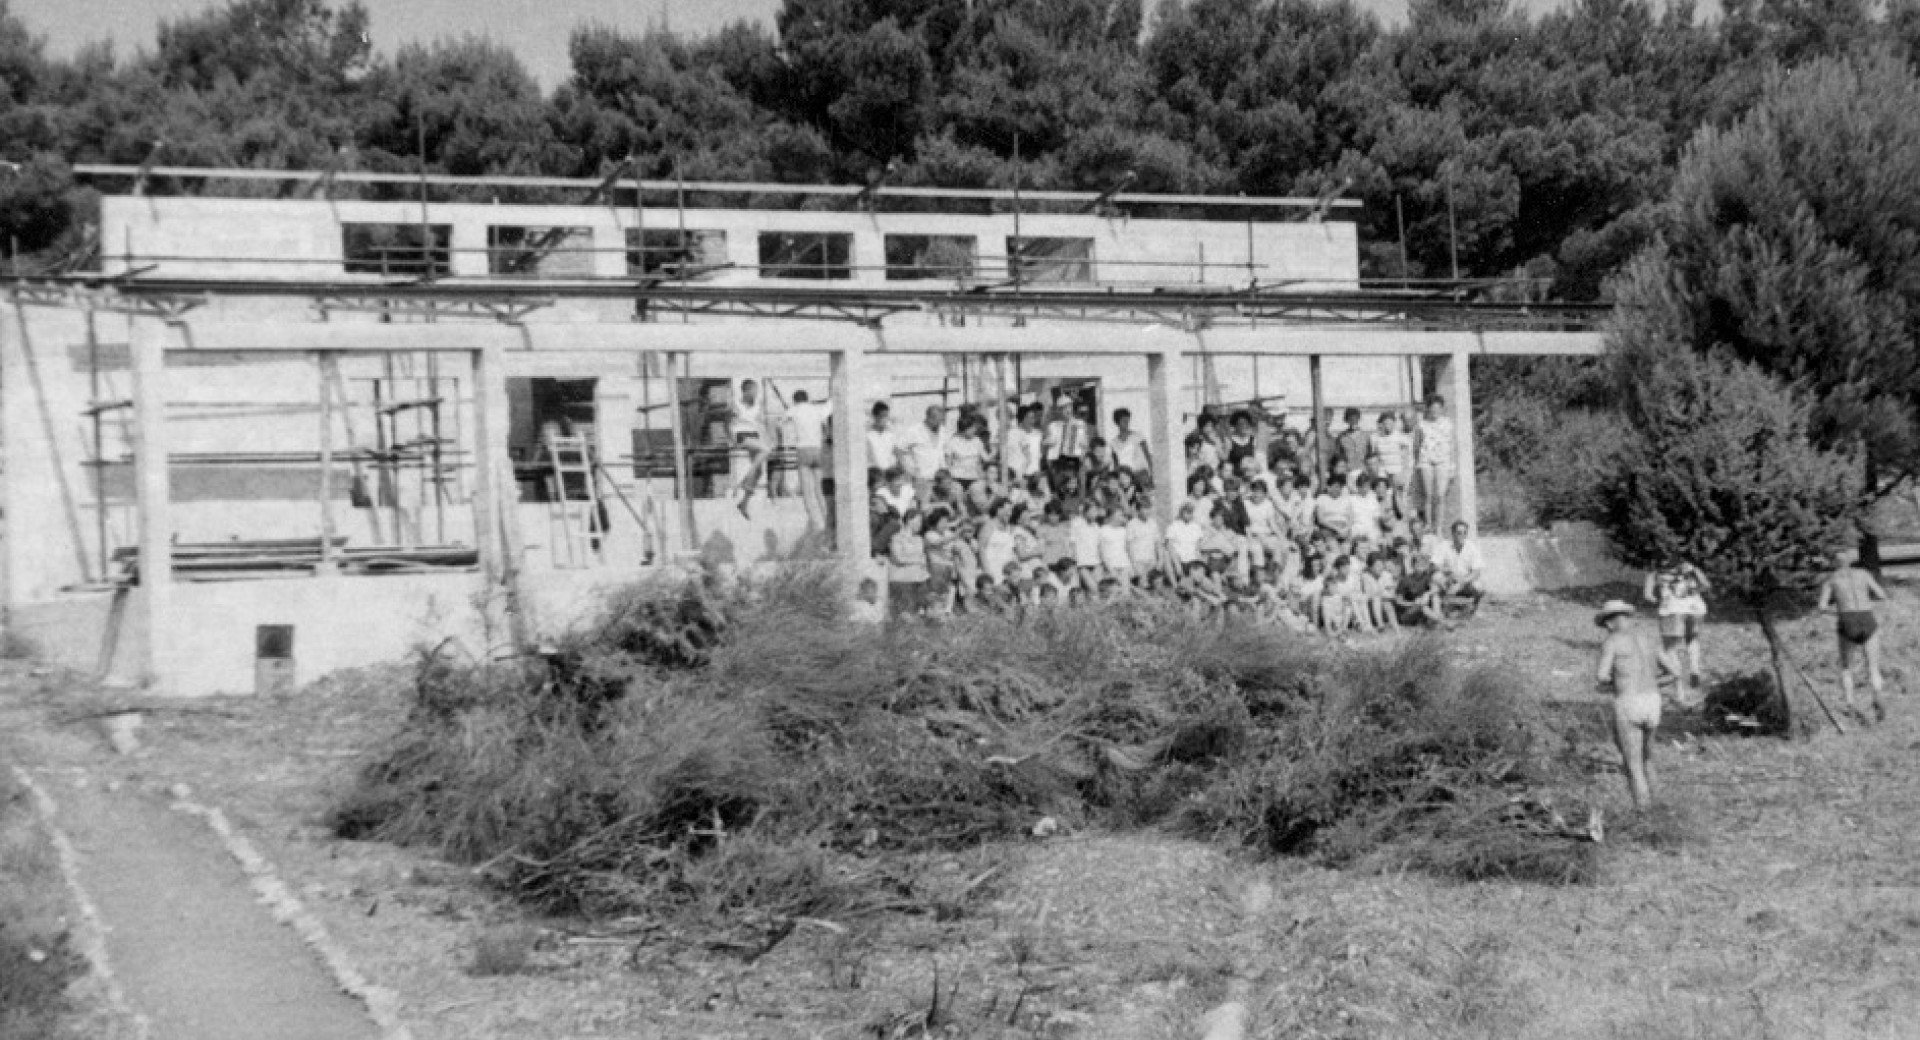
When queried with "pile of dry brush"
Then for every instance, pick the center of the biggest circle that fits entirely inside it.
(750, 753)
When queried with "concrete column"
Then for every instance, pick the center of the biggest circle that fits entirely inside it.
(489, 455)
(1317, 433)
(1460, 399)
(851, 538)
(154, 498)
(1165, 439)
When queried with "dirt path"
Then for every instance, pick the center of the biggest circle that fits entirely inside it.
(193, 951)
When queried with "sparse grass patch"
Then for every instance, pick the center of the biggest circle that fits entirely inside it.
(16, 647)
(503, 950)
(36, 960)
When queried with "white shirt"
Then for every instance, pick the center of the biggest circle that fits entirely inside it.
(749, 418)
(1020, 452)
(1113, 548)
(1464, 562)
(1261, 517)
(1366, 516)
(922, 451)
(1086, 542)
(1395, 451)
(966, 457)
(1143, 542)
(1130, 450)
(1183, 541)
(1436, 442)
(809, 419)
(898, 501)
(880, 444)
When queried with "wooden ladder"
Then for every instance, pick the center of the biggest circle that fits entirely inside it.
(575, 520)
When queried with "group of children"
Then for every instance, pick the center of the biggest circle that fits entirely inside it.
(1060, 516)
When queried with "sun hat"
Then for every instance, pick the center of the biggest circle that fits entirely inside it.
(1611, 609)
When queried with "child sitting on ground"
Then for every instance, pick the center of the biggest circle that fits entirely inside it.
(1341, 600)
(866, 604)
(1377, 585)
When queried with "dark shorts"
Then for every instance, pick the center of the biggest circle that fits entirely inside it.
(810, 458)
(1858, 626)
(1680, 626)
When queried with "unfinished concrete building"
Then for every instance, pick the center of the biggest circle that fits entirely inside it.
(283, 423)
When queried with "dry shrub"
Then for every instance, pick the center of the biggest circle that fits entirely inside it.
(1400, 759)
(762, 774)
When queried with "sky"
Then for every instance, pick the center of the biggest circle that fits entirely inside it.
(536, 29)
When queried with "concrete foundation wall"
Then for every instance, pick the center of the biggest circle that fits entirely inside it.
(1569, 556)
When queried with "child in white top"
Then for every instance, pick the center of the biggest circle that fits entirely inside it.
(1366, 514)
(1114, 557)
(1083, 530)
(1143, 540)
(1183, 538)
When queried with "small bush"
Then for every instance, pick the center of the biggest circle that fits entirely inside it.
(504, 950)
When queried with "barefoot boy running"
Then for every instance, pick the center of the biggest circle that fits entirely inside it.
(1629, 663)
(1851, 590)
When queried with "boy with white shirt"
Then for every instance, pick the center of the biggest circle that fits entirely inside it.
(880, 443)
(808, 418)
(1183, 539)
(922, 449)
(1458, 568)
(1143, 540)
(1366, 516)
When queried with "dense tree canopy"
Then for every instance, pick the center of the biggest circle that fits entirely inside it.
(1506, 142)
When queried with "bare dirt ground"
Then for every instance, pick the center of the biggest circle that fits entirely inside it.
(1793, 911)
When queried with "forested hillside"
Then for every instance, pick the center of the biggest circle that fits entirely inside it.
(1550, 136)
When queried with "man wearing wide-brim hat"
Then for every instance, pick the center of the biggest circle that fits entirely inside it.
(1629, 662)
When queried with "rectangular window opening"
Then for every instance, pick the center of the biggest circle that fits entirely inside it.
(539, 252)
(806, 254)
(420, 250)
(912, 257)
(1050, 260)
(674, 251)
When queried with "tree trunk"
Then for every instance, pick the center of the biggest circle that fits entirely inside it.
(1796, 715)
(1869, 537)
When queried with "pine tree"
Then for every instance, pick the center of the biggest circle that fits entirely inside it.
(1721, 467)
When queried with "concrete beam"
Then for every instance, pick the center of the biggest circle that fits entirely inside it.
(781, 337)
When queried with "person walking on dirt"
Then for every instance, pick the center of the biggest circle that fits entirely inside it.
(1678, 593)
(1632, 667)
(1850, 590)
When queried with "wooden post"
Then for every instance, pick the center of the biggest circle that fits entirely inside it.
(682, 471)
(154, 497)
(323, 367)
(1317, 433)
(1164, 439)
(1464, 477)
(852, 539)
